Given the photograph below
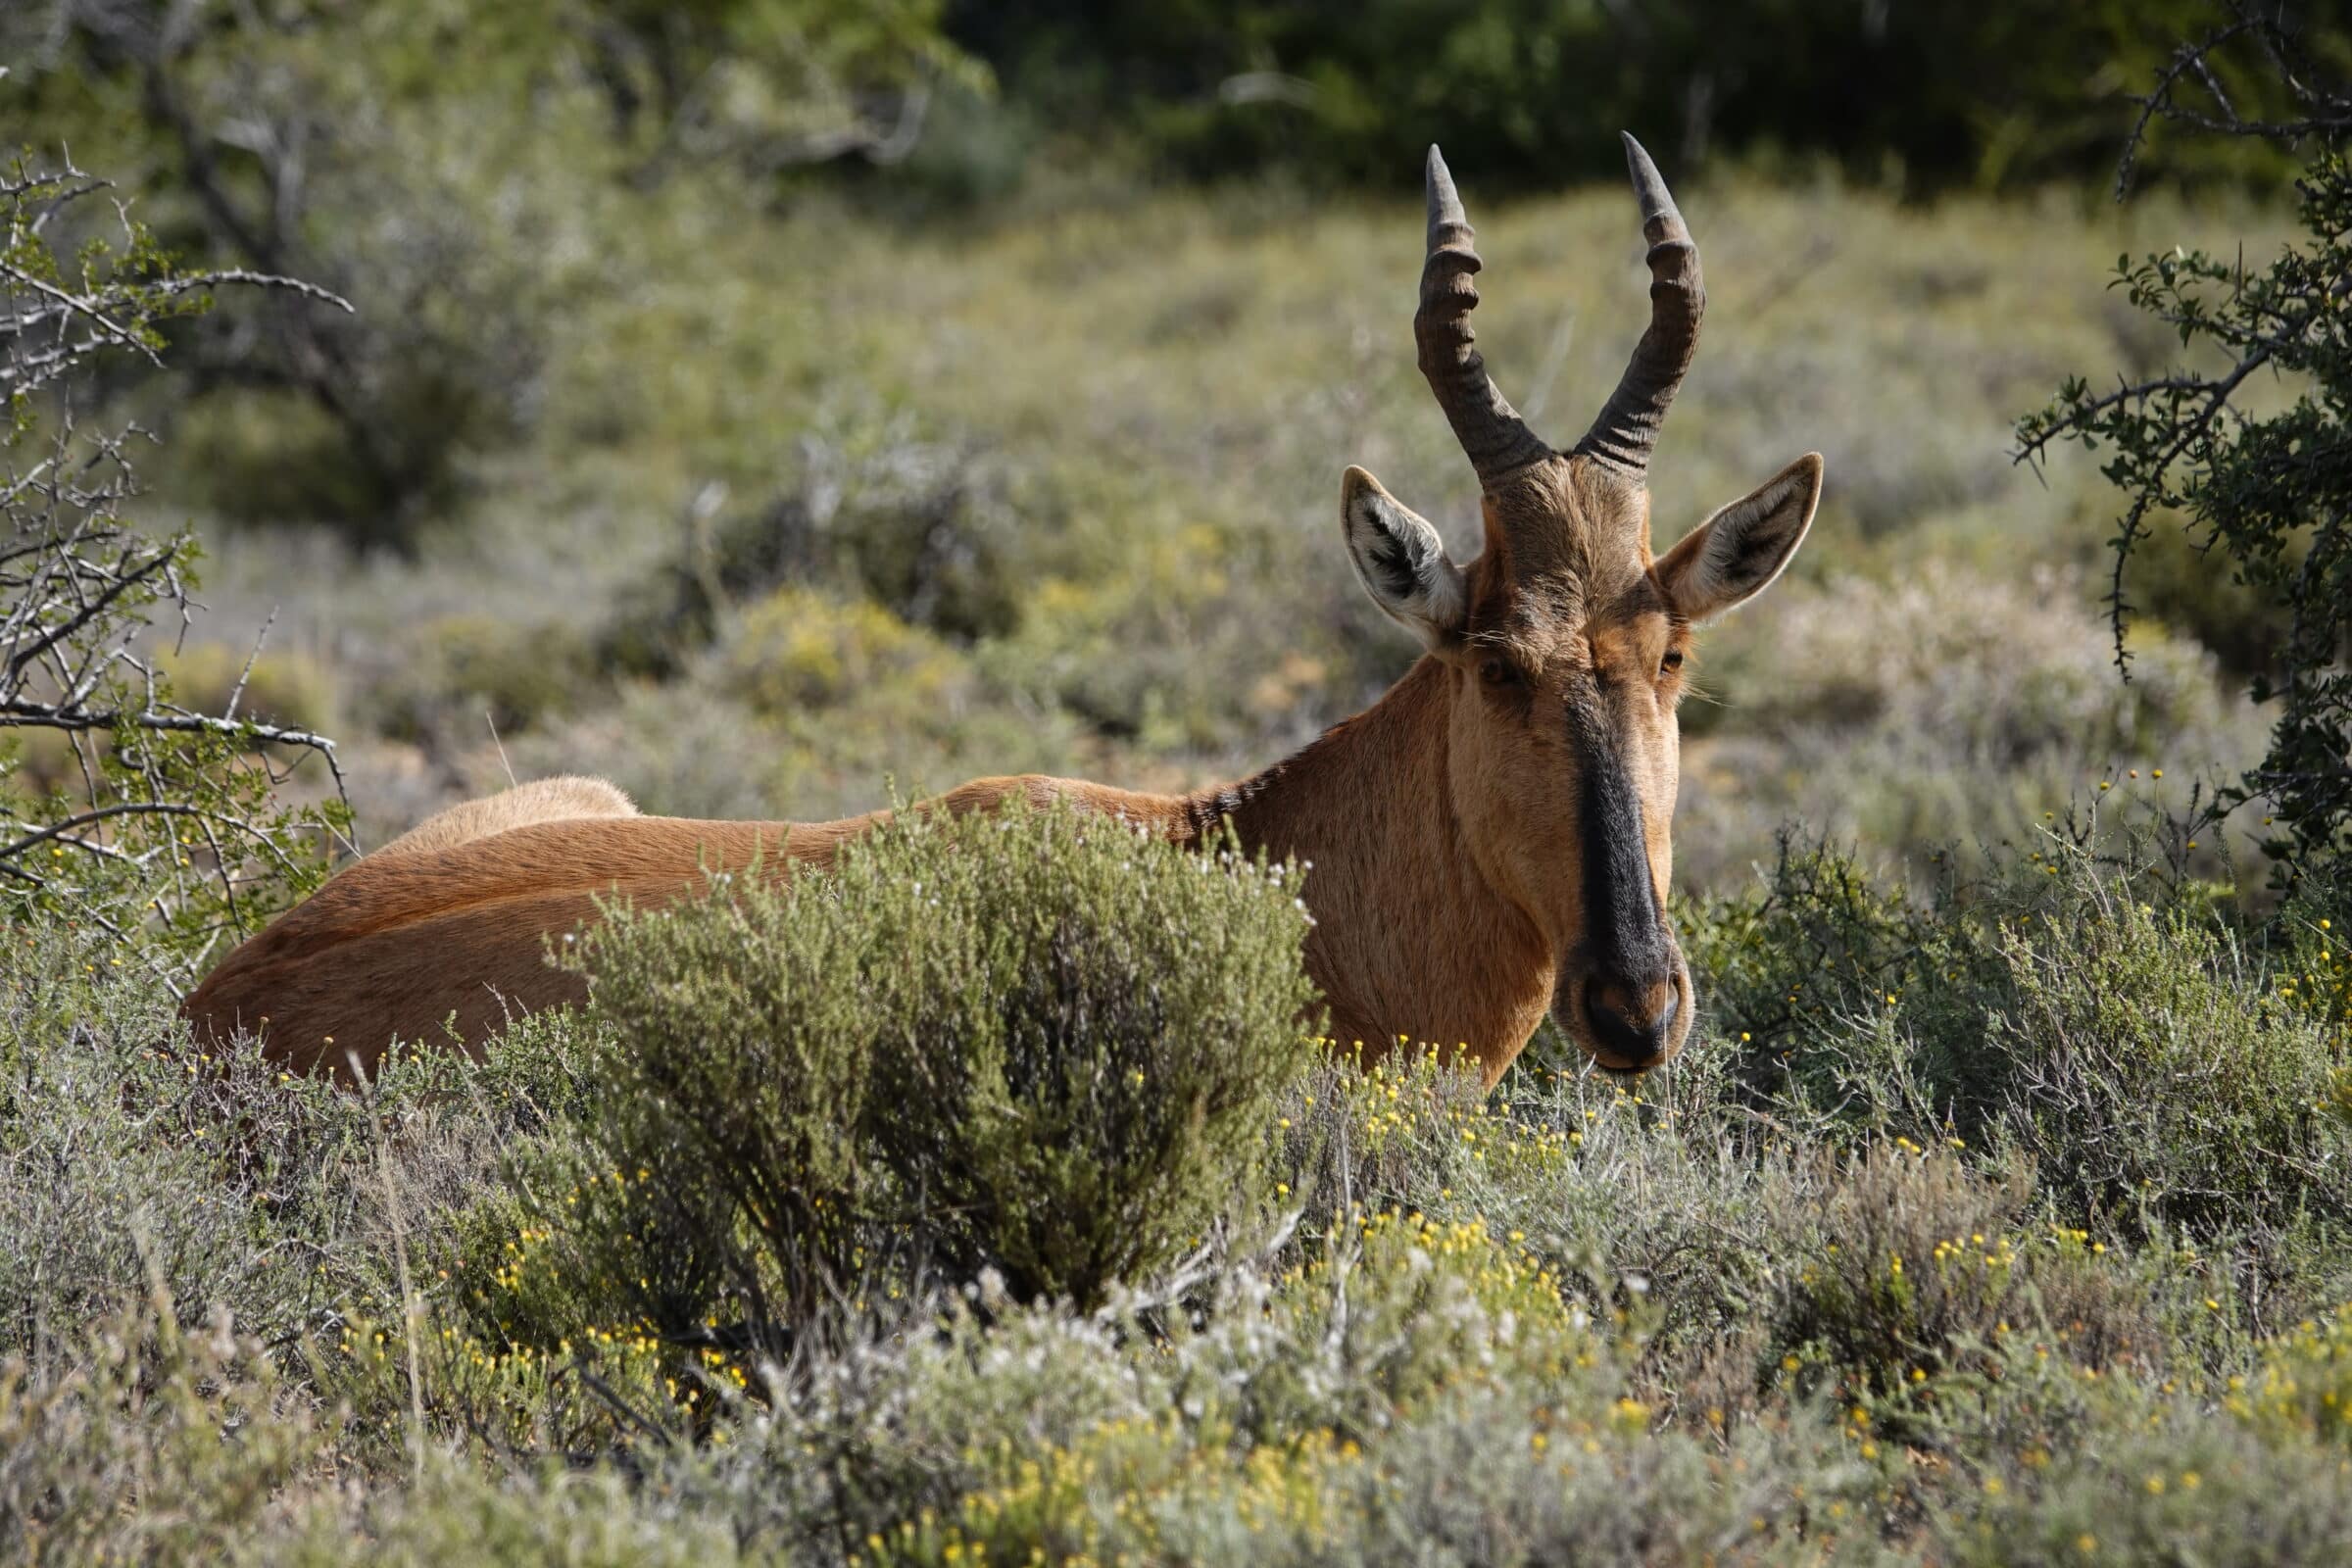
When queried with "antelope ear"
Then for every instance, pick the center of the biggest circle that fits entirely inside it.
(1734, 554)
(1402, 562)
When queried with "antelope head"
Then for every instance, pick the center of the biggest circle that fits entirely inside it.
(1563, 642)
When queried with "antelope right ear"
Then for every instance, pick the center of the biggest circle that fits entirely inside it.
(1402, 562)
(1734, 554)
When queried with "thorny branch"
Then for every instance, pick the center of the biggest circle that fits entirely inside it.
(2192, 404)
(2325, 110)
(2261, 489)
(162, 807)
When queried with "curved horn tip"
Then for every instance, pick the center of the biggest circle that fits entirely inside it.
(1650, 186)
(1444, 202)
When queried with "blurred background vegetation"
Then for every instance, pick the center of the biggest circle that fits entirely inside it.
(758, 400)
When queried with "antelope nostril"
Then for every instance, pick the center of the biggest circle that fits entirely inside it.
(1633, 1022)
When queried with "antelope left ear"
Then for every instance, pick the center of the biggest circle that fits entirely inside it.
(1402, 562)
(1734, 554)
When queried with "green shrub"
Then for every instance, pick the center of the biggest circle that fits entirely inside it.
(566, 1253)
(2161, 1482)
(1030, 1041)
(1921, 1267)
(2188, 442)
(197, 1432)
(127, 1162)
(2305, 1385)
(1815, 938)
(1950, 703)
(939, 535)
(519, 671)
(2110, 1030)
(1080, 1037)
(1399, 1132)
(737, 1083)
(1419, 1395)
(798, 650)
(466, 668)
(2152, 1076)
(600, 1518)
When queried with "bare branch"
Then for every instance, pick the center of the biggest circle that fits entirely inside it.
(2268, 27)
(165, 814)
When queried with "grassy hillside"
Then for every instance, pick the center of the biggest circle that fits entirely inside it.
(812, 501)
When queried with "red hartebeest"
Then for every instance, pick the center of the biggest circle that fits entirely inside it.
(1488, 840)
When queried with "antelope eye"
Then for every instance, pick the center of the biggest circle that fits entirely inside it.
(1673, 661)
(1498, 672)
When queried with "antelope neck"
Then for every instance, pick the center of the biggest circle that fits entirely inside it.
(1411, 938)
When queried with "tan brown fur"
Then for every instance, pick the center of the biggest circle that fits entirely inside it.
(442, 933)
(546, 800)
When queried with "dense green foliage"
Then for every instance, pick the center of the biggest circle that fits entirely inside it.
(953, 100)
(405, 155)
(465, 175)
(1533, 90)
(2102, 1039)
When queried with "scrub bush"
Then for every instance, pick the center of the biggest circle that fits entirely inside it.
(1028, 1042)
(2156, 1064)
(1080, 1036)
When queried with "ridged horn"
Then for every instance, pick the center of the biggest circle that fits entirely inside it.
(1626, 431)
(1491, 434)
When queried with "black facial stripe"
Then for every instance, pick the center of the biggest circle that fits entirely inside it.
(1621, 907)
